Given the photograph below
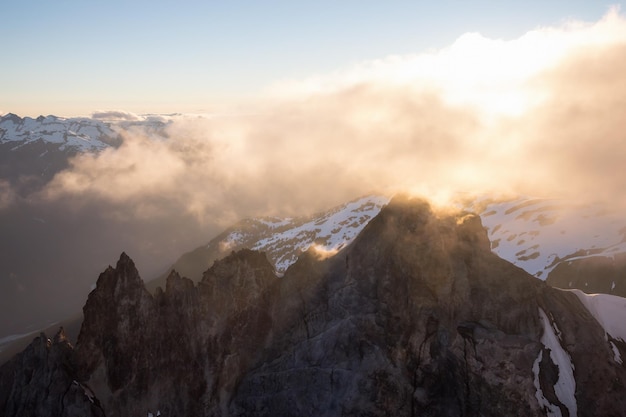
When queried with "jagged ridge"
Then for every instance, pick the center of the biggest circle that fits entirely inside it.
(416, 317)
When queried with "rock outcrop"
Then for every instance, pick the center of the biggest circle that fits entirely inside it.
(417, 317)
(42, 381)
(594, 274)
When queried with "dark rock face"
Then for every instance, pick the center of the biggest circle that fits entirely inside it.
(42, 381)
(180, 351)
(596, 274)
(394, 328)
(415, 318)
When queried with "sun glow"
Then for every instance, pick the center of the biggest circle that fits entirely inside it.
(322, 252)
(539, 115)
(493, 76)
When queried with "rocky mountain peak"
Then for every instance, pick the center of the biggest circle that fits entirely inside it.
(11, 117)
(120, 280)
(177, 284)
(60, 336)
(415, 317)
(116, 310)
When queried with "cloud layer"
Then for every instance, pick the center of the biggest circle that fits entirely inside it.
(539, 115)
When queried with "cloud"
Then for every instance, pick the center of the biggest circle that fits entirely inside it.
(488, 74)
(538, 115)
(115, 115)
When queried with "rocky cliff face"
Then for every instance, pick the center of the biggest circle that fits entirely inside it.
(42, 381)
(594, 274)
(417, 317)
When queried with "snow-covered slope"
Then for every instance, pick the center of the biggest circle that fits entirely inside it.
(608, 310)
(534, 234)
(538, 234)
(80, 134)
(565, 386)
(284, 239)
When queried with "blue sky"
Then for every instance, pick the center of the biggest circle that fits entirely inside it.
(75, 57)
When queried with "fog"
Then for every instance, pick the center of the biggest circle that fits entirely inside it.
(542, 115)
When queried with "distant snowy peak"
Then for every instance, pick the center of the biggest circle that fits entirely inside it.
(534, 234)
(284, 239)
(80, 134)
(539, 234)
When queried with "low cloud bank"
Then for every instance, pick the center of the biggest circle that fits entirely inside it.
(539, 115)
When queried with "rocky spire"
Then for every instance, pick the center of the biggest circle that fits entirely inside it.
(60, 337)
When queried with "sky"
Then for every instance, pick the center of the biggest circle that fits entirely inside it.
(72, 58)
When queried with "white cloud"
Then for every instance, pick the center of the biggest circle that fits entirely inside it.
(114, 115)
(492, 75)
(541, 114)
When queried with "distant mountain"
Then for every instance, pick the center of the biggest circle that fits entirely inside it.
(50, 250)
(72, 134)
(545, 237)
(415, 317)
(283, 239)
(77, 134)
(539, 234)
(33, 150)
(567, 244)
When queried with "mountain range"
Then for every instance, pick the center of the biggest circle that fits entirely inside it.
(33, 150)
(567, 244)
(377, 306)
(570, 245)
(415, 316)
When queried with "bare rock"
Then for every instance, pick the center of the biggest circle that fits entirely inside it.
(41, 381)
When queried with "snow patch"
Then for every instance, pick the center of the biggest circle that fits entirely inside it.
(608, 310)
(275, 222)
(551, 409)
(231, 241)
(538, 234)
(565, 387)
(329, 232)
(617, 357)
